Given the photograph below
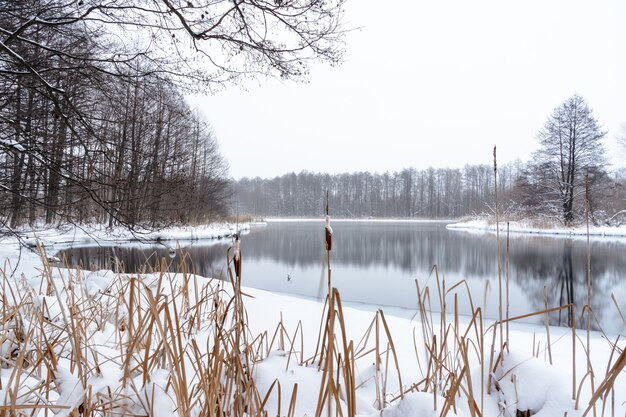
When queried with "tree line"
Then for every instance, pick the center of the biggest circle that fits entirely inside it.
(442, 193)
(426, 193)
(94, 125)
(567, 180)
(115, 149)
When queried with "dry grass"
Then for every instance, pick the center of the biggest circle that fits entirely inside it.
(178, 340)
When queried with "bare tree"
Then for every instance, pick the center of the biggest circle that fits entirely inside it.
(92, 120)
(201, 43)
(571, 147)
(426, 193)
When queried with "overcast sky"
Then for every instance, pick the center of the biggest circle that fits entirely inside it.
(431, 83)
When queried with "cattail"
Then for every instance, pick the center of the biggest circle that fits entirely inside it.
(329, 234)
(237, 257)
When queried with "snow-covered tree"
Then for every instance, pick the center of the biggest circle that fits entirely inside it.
(92, 116)
(570, 159)
(202, 44)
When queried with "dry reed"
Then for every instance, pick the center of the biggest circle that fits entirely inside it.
(196, 330)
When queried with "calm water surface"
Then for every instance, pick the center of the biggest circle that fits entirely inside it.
(379, 262)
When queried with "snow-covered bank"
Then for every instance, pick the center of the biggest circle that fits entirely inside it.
(87, 234)
(164, 345)
(526, 381)
(528, 227)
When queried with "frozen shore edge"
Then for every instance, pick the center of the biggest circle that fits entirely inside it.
(88, 234)
(518, 227)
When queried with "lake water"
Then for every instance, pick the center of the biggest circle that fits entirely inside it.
(378, 262)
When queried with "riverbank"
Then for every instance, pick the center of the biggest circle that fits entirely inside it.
(96, 233)
(535, 227)
(530, 227)
(167, 344)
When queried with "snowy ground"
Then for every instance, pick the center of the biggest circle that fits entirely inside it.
(451, 377)
(527, 381)
(529, 227)
(87, 234)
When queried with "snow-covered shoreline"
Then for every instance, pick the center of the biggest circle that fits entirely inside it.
(529, 377)
(526, 227)
(537, 385)
(99, 234)
(480, 225)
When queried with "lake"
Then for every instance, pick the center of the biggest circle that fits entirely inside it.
(378, 262)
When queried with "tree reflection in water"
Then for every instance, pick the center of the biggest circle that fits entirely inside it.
(566, 282)
(378, 262)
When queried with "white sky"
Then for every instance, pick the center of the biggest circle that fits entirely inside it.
(431, 83)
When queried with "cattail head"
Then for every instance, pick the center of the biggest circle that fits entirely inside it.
(329, 234)
(237, 257)
(236, 253)
(495, 163)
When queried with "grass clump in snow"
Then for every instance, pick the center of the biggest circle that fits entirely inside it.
(99, 343)
(86, 343)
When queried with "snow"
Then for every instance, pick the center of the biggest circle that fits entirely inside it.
(21, 387)
(528, 227)
(523, 380)
(540, 385)
(154, 398)
(418, 404)
(71, 392)
(10, 143)
(99, 234)
(306, 378)
(531, 384)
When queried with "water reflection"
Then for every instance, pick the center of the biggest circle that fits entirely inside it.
(378, 263)
(565, 282)
(563, 270)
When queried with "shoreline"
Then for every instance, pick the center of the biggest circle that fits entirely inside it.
(97, 234)
(525, 228)
(266, 311)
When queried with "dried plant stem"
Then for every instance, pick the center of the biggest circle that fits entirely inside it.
(547, 323)
(495, 182)
(507, 284)
(588, 306)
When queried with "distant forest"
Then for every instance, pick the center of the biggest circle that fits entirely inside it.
(427, 193)
(95, 129)
(566, 180)
(412, 193)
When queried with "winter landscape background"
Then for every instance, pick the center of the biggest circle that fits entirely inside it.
(304, 207)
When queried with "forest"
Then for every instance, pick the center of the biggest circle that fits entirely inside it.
(143, 156)
(443, 193)
(95, 128)
(89, 133)
(566, 181)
